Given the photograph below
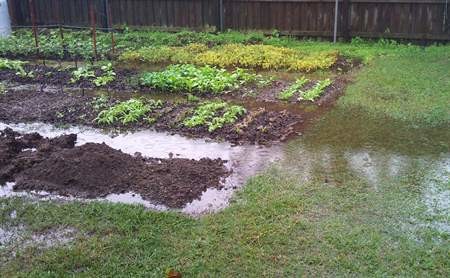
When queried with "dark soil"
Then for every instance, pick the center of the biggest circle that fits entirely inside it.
(60, 107)
(53, 76)
(96, 170)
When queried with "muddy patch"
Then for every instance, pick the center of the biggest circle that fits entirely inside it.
(244, 161)
(52, 105)
(97, 170)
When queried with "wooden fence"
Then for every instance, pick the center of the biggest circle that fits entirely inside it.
(400, 19)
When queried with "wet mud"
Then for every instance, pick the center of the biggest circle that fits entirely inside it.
(51, 105)
(95, 170)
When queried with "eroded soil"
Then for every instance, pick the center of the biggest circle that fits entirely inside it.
(96, 170)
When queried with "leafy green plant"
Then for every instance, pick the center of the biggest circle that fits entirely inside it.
(17, 66)
(214, 115)
(82, 73)
(316, 91)
(287, 93)
(192, 79)
(130, 111)
(108, 75)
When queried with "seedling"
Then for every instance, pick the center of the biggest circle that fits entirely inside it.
(214, 115)
(316, 91)
(287, 93)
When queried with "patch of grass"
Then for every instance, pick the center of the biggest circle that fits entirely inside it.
(289, 92)
(126, 112)
(316, 91)
(193, 79)
(413, 87)
(214, 115)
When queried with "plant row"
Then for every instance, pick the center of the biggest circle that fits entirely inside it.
(78, 44)
(310, 94)
(235, 55)
(212, 115)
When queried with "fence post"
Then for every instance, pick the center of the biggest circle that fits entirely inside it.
(221, 14)
(336, 16)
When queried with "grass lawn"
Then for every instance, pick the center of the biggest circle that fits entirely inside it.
(358, 195)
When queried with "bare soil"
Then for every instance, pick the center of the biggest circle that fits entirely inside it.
(96, 170)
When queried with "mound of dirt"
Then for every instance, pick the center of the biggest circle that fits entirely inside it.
(96, 170)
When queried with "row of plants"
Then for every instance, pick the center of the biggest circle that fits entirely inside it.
(311, 94)
(235, 55)
(15, 65)
(126, 112)
(78, 44)
(193, 79)
(210, 114)
(214, 115)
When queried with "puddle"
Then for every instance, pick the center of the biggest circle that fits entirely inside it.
(243, 160)
(406, 167)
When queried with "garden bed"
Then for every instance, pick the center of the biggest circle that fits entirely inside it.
(52, 105)
(94, 170)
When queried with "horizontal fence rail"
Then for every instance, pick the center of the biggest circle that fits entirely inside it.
(398, 19)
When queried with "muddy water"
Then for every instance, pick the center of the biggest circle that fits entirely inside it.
(243, 160)
(406, 168)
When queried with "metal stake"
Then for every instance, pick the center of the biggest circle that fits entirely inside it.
(336, 15)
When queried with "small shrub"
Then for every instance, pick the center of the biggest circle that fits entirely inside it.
(130, 111)
(287, 93)
(214, 115)
(316, 91)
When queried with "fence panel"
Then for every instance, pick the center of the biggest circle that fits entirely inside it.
(402, 19)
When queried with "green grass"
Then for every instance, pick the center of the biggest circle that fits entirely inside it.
(412, 86)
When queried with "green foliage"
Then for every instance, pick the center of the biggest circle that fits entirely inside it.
(287, 93)
(101, 102)
(316, 91)
(235, 55)
(108, 76)
(189, 78)
(15, 65)
(88, 72)
(82, 73)
(214, 115)
(130, 111)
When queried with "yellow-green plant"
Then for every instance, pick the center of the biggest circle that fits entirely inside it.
(236, 55)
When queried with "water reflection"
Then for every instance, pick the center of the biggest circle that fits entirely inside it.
(385, 155)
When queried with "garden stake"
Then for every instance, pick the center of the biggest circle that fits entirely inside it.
(33, 23)
(93, 23)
